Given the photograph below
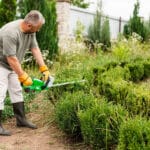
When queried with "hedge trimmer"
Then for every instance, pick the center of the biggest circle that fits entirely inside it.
(39, 85)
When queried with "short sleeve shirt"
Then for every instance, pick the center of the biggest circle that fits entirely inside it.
(13, 42)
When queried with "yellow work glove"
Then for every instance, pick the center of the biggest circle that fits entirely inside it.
(45, 72)
(25, 79)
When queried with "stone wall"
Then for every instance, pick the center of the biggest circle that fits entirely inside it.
(63, 14)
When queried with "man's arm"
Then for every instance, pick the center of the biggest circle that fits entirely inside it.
(15, 65)
(42, 66)
(38, 56)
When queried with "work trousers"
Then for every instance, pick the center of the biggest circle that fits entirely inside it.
(9, 82)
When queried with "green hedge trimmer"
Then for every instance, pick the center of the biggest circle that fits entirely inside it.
(39, 85)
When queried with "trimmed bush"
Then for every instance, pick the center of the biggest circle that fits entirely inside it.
(100, 125)
(117, 73)
(147, 68)
(134, 134)
(67, 109)
(138, 101)
(136, 70)
(115, 90)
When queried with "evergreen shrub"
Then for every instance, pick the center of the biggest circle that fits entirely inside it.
(136, 24)
(134, 134)
(136, 71)
(100, 124)
(67, 109)
(138, 101)
(7, 11)
(115, 90)
(146, 68)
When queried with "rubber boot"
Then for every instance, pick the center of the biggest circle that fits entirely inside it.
(21, 120)
(3, 132)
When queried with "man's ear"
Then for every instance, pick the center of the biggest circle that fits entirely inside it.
(29, 25)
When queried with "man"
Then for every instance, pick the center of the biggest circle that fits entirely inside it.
(15, 38)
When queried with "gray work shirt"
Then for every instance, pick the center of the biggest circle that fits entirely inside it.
(13, 42)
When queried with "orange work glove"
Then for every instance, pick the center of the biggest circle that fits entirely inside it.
(45, 72)
(25, 79)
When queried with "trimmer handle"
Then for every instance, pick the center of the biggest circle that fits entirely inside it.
(37, 85)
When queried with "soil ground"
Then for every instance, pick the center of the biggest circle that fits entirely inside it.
(46, 137)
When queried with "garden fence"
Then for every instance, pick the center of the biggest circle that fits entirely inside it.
(86, 18)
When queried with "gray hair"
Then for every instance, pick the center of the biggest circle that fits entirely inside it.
(34, 17)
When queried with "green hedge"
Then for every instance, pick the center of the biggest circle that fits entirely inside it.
(146, 68)
(67, 109)
(115, 90)
(134, 134)
(138, 101)
(100, 125)
(136, 71)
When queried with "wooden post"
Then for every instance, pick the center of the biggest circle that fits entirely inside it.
(119, 24)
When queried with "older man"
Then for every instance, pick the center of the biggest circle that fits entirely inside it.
(16, 38)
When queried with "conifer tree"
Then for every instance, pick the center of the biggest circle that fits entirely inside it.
(105, 34)
(7, 11)
(135, 24)
(99, 31)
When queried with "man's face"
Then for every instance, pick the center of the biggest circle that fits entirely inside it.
(33, 29)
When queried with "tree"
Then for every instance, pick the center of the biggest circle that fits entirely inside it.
(105, 34)
(7, 11)
(94, 31)
(47, 36)
(99, 31)
(135, 24)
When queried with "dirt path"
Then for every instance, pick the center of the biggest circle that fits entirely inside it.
(46, 137)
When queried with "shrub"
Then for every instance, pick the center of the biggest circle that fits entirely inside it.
(121, 50)
(134, 134)
(136, 70)
(67, 109)
(146, 68)
(100, 124)
(115, 90)
(138, 101)
(117, 73)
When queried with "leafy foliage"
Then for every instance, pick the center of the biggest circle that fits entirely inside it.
(135, 24)
(94, 32)
(100, 124)
(134, 134)
(99, 31)
(7, 11)
(105, 34)
(67, 109)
